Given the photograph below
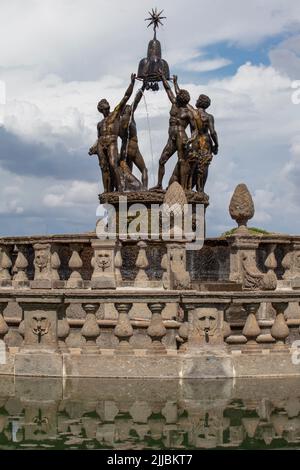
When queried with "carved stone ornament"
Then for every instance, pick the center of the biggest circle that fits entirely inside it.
(205, 327)
(253, 278)
(103, 276)
(40, 326)
(241, 206)
(176, 276)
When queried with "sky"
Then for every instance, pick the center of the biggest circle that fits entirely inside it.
(58, 58)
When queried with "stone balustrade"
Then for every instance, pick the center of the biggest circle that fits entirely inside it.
(145, 324)
(237, 262)
(77, 297)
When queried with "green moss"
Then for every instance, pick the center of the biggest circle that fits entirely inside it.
(253, 230)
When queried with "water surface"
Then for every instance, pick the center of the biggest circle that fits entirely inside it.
(149, 414)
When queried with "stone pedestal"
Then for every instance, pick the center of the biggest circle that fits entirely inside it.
(176, 276)
(46, 264)
(103, 263)
(40, 325)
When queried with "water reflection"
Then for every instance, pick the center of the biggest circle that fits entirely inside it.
(153, 414)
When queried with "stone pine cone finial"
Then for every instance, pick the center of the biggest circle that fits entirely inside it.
(241, 207)
(175, 195)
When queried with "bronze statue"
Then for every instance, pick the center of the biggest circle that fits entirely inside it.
(207, 141)
(181, 117)
(130, 152)
(107, 144)
(201, 147)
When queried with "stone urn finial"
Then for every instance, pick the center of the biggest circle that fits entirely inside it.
(241, 207)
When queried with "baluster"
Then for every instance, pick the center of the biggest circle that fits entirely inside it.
(118, 266)
(63, 328)
(265, 316)
(90, 330)
(75, 280)
(270, 279)
(55, 265)
(165, 276)
(20, 278)
(156, 330)
(123, 330)
(3, 324)
(5, 264)
(141, 263)
(251, 329)
(280, 330)
(21, 329)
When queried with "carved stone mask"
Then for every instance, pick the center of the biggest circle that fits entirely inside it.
(177, 258)
(205, 323)
(103, 260)
(41, 259)
(40, 326)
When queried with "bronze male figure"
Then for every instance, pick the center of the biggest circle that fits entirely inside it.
(207, 142)
(130, 151)
(180, 118)
(107, 145)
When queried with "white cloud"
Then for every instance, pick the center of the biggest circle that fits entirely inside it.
(207, 65)
(70, 194)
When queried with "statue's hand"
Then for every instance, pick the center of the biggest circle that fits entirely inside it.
(133, 77)
(144, 86)
(91, 151)
(215, 149)
(161, 73)
(175, 78)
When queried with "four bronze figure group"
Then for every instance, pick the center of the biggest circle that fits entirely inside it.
(194, 152)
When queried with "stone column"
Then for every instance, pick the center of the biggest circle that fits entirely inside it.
(90, 330)
(142, 263)
(63, 327)
(251, 329)
(123, 329)
(20, 278)
(5, 267)
(280, 330)
(75, 280)
(118, 265)
(3, 324)
(156, 330)
(103, 264)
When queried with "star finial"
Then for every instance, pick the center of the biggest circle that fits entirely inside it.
(155, 18)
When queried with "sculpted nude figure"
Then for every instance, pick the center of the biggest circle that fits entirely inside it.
(130, 151)
(181, 117)
(107, 145)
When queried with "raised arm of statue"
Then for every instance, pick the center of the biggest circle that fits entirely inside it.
(167, 87)
(176, 86)
(138, 97)
(120, 107)
(213, 134)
